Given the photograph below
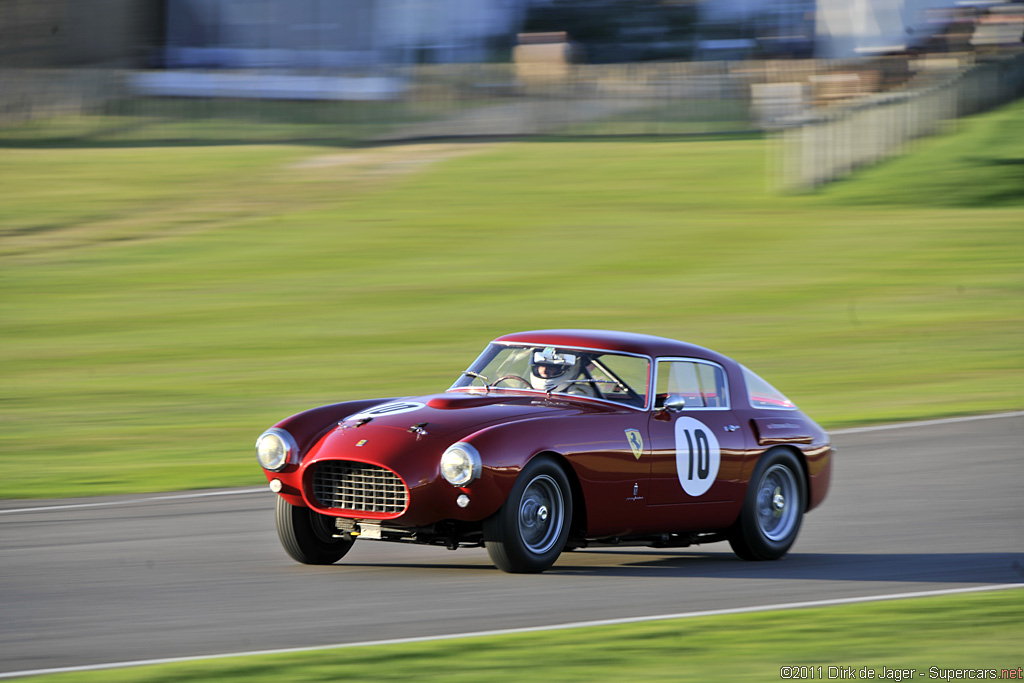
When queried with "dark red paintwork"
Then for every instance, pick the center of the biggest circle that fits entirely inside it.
(616, 495)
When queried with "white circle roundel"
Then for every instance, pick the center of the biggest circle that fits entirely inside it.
(395, 408)
(697, 456)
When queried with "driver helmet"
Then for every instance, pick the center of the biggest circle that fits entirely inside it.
(550, 368)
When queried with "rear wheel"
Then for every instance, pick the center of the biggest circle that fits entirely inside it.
(529, 531)
(308, 536)
(773, 508)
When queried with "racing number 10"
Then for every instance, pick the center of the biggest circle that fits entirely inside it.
(700, 453)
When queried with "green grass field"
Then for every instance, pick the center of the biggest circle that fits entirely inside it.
(161, 306)
(929, 636)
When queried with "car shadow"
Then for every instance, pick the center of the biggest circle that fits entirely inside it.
(909, 567)
(881, 567)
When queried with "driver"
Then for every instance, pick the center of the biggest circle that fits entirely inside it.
(550, 369)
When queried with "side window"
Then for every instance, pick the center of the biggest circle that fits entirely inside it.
(616, 371)
(700, 384)
(764, 395)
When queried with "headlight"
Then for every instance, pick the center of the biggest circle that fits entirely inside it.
(460, 464)
(275, 448)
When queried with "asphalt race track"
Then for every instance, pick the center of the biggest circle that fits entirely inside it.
(911, 509)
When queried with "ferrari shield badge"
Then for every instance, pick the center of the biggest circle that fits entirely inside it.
(636, 442)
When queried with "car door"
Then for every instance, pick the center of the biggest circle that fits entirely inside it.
(696, 443)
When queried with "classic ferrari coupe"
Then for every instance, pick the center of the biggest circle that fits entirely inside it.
(554, 440)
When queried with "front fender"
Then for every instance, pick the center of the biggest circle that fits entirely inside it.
(505, 449)
(307, 428)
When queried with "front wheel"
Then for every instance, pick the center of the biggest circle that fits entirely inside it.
(528, 532)
(773, 508)
(307, 536)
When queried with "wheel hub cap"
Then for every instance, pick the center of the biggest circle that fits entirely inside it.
(540, 514)
(534, 513)
(778, 502)
(776, 518)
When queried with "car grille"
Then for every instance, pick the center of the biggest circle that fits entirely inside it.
(359, 487)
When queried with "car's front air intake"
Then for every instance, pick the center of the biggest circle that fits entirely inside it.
(358, 487)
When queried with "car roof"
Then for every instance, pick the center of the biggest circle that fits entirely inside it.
(608, 340)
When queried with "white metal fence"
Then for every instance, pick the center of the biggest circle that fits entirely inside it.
(826, 144)
(452, 100)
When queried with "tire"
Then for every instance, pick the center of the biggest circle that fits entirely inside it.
(773, 508)
(529, 531)
(307, 536)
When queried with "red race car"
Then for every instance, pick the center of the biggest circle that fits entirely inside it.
(555, 440)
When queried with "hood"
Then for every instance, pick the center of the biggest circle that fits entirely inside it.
(444, 414)
(428, 424)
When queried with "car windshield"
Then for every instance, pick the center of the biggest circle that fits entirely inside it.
(560, 370)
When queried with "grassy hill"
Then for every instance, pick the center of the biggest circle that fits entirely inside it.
(160, 306)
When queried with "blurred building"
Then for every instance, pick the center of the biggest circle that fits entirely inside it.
(617, 31)
(757, 29)
(844, 29)
(331, 34)
(293, 34)
(337, 34)
(872, 27)
(54, 33)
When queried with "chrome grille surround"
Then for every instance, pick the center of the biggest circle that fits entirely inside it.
(359, 487)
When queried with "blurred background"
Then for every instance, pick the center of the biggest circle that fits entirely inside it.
(217, 213)
(385, 70)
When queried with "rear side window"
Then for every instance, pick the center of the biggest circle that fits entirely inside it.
(701, 384)
(764, 395)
